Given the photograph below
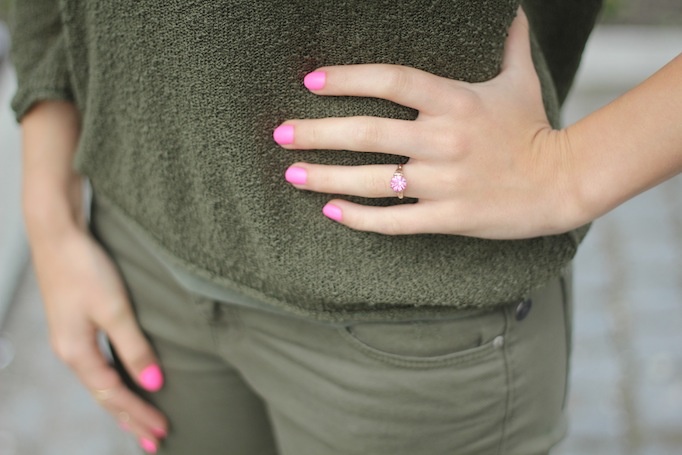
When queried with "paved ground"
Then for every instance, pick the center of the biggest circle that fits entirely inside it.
(12, 244)
(627, 368)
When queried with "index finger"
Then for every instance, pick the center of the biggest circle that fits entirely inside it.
(109, 389)
(403, 85)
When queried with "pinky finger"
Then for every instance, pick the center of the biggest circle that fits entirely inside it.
(149, 441)
(422, 217)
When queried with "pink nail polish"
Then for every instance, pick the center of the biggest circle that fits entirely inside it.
(315, 80)
(159, 433)
(151, 378)
(332, 211)
(284, 134)
(147, 445)
(296, 175)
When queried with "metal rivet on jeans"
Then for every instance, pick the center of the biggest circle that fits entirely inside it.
(523, 308)
(498, 342)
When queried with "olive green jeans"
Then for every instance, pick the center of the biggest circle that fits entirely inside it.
(244, 381)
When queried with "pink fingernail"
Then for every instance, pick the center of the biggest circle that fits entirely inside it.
(332, 211)
(147, 445)
(151, 378)
(159, 433)
(284, 134)
(296, 175)
(315, 80)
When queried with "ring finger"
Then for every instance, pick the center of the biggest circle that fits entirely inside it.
(372, 181)
(132, 415)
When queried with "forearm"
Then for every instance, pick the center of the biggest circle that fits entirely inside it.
(630, 145)
(52, 190)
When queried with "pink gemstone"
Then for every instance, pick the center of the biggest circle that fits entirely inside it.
(398, 183)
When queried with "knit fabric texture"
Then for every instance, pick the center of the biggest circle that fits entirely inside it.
(179, 100)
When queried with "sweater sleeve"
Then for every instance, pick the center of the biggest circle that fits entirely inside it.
(38, 54)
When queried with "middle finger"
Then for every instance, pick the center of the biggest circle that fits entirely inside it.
(110, 391)
(359, 134)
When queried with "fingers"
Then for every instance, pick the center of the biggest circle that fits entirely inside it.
(401, 84)
(372, 181)
(360, 134)
(133, 349)
(140, 362)
(135, 416)
(85, 295)
(419, 218)
(458, 126)
(375, 181)
(106, 386)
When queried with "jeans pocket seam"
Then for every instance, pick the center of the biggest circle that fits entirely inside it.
(459, 357)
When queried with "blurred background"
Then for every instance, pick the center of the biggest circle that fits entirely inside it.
(626, 379)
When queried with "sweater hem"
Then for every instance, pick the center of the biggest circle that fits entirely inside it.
(27, 97)
(340, 315)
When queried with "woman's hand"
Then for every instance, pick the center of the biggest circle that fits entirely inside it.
(83, 295)
(483, 159)
(82, 290)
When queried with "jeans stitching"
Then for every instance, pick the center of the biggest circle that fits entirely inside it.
(461, 357)
(509, 371)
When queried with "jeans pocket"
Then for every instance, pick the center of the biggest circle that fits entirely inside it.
(447, 378)
(425, 342)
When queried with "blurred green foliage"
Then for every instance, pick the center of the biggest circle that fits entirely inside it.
(4, 9)
(642, 12)
(612, 7)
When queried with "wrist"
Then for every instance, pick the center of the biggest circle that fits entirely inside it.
(568, 202)
(52, 213)
(591, 188)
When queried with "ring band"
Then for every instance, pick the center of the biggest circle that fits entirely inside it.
(398, 182)
(102, 394)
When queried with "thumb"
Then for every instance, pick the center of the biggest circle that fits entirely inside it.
(135, 352)
(517, 53)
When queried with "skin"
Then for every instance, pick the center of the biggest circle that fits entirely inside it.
(82, 290)
(484, 162)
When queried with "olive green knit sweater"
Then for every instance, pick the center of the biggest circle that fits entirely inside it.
(179, 100)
